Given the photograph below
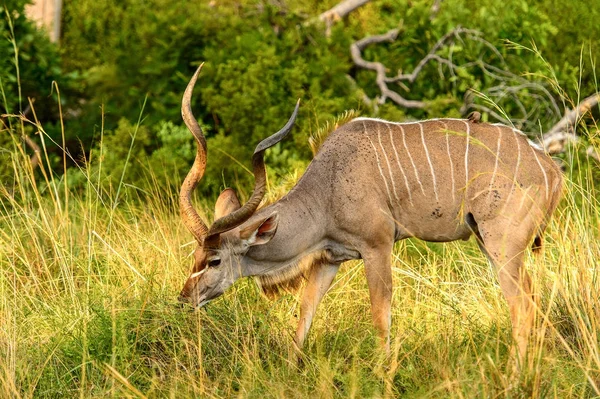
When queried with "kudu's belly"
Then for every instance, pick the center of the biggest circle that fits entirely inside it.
(436, 222)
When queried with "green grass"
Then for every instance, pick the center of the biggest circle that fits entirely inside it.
(88, 309)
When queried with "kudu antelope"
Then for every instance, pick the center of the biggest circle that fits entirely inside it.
(372, 183)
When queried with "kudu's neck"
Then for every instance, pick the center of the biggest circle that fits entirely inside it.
(300, 232)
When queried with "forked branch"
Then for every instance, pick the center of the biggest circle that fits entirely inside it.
(505, 86)
(382, 79)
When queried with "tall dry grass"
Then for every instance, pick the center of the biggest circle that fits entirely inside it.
(88, 282)
(88, 309)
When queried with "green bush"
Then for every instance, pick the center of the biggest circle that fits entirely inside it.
(262, 56)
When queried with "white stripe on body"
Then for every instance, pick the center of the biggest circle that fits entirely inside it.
(525, 196)
(515, 174)
(493, 179)
(387, 161)
(400, 167)
(467, 156)
(362, 118)
(430, 163)
(543, 171)
(378, 163)
(535, 145)
(411, 159)
(531, 143)
(451, 163)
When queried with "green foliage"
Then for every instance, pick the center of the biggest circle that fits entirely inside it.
(91, 262)
(88, 307)
(29, 62)
(261, 57)
(133, 157)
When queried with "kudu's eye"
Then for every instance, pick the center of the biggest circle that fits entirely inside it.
(214, 262)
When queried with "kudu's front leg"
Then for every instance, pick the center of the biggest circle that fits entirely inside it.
(319, 280)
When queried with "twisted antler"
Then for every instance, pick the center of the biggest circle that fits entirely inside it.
(190, 217)
(238, 217)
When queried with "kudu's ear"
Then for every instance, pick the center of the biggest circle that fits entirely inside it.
(226, 203)
(261, 231)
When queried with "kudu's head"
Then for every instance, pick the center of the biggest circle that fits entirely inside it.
(217, 258)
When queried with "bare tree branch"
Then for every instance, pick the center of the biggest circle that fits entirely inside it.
(563, 132)
(356, 49)
(365, 99)
(340, 10)
(506, 88)
(382, 79)
(571, 117)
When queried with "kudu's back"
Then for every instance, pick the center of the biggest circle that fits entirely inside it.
(435, 180)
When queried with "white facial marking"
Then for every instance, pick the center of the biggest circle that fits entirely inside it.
(198, 274)
(429, 161)
(205, 302)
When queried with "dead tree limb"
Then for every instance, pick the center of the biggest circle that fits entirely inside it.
(563, 132)
(382, 79)
(340, 10)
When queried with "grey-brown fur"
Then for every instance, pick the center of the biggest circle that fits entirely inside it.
(375, 182)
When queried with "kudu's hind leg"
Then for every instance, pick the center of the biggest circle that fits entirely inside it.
(319, 280)
(506, 250)
(378, 269)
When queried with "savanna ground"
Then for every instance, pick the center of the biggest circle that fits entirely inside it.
(89, 281)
